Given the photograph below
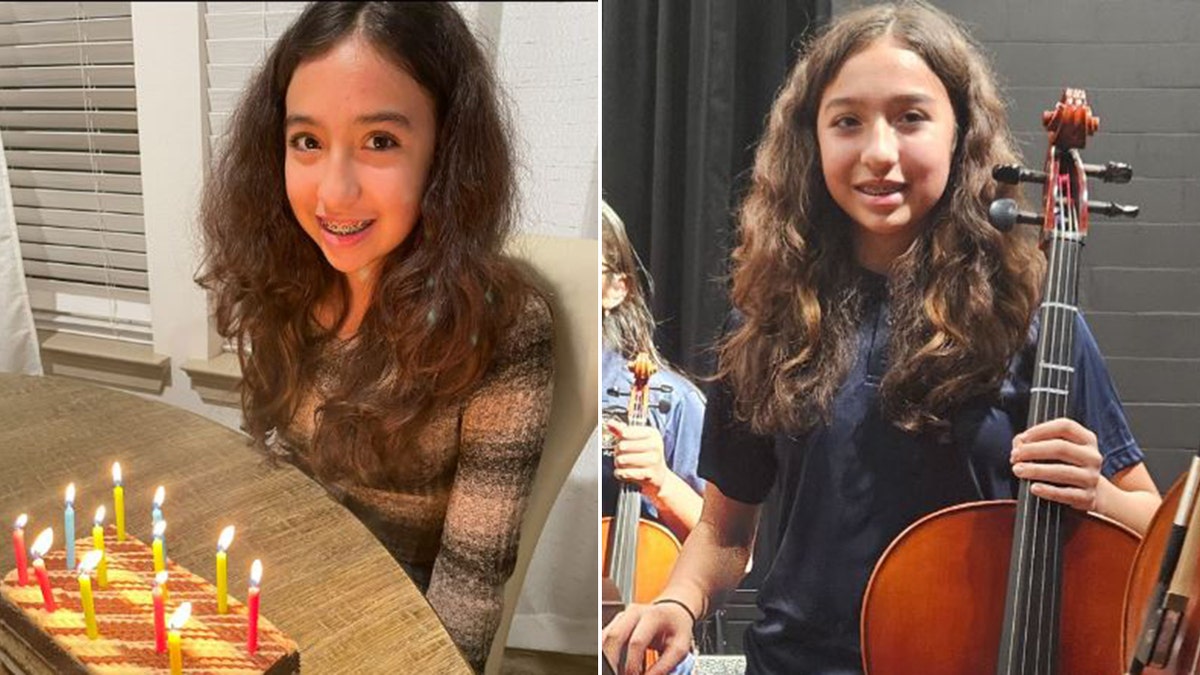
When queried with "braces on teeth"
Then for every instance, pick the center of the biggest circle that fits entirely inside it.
(351, 228)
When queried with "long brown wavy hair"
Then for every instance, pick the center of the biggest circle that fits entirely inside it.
(445, 295)
(962, 296)
(628, 328)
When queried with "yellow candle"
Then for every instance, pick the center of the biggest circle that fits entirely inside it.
(160, 579)
(173, 646)
(222, 570)
(86, 566)
(222, 584)
(119, 501)
(89, 607)
(160, 561)
(174, 643)
(158, 558)
(98, 545)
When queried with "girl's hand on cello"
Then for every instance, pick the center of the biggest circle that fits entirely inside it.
(665, 628)
(638, 456)
(1062, 459)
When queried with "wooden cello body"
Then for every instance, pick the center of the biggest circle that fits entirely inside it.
(1162, 603)
(656, 553)
(1024, 587)
(935, 603)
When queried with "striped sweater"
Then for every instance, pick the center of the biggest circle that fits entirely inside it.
(452, 518)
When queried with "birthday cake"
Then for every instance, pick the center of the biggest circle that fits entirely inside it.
(37, 641)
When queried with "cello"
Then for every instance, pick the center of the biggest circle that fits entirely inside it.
(1162, 615)
(1052, 606)
(638, 554)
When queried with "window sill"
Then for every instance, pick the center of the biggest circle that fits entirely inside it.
(217, 380)
(109, 362)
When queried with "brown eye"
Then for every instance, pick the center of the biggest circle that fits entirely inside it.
(304, 143)
(382, 142)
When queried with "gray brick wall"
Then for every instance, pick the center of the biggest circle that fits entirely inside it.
(1140, 63)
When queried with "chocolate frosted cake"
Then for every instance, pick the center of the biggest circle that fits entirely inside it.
(37, 641)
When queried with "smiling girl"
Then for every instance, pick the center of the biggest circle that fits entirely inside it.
(352, 228)
(878, 364)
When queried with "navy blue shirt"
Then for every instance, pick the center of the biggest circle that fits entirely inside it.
(678, 414)
(850, 487)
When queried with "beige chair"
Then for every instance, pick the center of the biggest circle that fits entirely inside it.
(569, 272)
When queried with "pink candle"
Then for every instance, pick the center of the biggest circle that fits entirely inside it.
(160, 617)
(39, 548)
(252, 600)
(19, 549)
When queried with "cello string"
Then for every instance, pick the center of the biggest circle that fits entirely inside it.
(1063, 320)
(1028, 539)
(1071, 204)
(1044, 552)
(1035, 610)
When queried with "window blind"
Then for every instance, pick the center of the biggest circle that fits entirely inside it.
(238, 37)
(68, 115)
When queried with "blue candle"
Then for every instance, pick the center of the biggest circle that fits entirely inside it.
(69, 526)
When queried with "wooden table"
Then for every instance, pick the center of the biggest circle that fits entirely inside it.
(327, 582)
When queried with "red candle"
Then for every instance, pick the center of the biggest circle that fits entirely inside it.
(39, 568)
(39, 548)
(160, 618)
(19, 550)
(252, 600)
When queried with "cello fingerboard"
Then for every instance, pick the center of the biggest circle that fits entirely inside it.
(1029, 642)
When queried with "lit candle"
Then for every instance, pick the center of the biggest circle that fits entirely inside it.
(39, 548)
(165, 588)
(69, 526)
(222, 570)
(174, 644)
(119, 501)
(160, 621)
(98, 545)
(160, 562)
(86, 566)
(252, 600)
(19, 549)
(156, 514)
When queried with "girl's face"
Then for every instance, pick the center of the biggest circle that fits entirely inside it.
(360, 136)
(886, 131)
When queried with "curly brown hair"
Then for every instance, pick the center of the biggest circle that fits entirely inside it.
(444, 296)
(962, 296)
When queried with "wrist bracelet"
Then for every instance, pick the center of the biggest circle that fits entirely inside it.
(673, 601)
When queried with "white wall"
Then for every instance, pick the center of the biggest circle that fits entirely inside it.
(547, 59)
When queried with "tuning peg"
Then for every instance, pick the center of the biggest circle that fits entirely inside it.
(1113, 172)
(1003, 214)
(1015, 173)
(1113, 209)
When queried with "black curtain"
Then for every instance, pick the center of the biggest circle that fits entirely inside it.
(686, 90)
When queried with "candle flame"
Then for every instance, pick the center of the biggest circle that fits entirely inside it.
(116, 473)
(90, 561)
(70, 494)
(159, 528)
(226, 539)
(100, 515)
(21, 521)
(255, 573)
(159, 495)
(161, 578)
(180, 616)
(42, 543)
